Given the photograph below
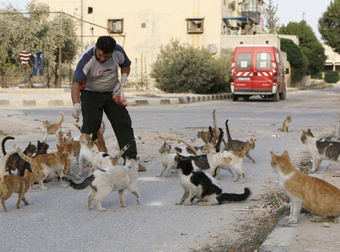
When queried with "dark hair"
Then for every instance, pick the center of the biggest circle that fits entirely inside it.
(106, 43)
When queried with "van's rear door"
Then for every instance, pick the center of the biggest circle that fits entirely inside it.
(243, 70)
(263, 73)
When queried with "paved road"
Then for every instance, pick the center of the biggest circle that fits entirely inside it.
(58, 219)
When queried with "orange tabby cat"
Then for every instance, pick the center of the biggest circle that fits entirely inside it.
(10, 184)
(48, 128)
(286, 124)
(313, 194)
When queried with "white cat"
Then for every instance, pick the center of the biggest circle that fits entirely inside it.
(167, 159)
(104, 181)
(89, 151)
(226, 159)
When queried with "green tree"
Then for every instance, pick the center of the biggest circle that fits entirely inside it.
(298, 61)
(309, 45)
(329, 25)
(183, 68)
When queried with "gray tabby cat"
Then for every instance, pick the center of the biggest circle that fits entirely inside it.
(321, 149)
(237, 145)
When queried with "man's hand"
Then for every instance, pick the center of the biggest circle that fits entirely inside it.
(124, 80)
(76, 110)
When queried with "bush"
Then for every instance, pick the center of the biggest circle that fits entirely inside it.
(181, 68)
(331, 76)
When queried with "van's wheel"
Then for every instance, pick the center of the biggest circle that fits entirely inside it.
(283, 95)
(276, 97)
(246, 98)
(235, 97)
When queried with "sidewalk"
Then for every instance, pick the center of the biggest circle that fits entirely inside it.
(39, 97)
(62, 97)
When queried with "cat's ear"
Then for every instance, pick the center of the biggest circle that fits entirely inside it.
(285, 153)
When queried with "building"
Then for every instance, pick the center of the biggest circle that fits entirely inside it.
(142, 27)
(333, 60)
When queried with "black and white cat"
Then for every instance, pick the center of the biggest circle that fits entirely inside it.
(321, 149)
(104, 181)
(202, 185)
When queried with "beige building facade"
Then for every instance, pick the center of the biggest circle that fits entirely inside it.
(142, 27)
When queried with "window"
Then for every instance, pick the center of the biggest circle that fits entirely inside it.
(195, 25)
(115, 25)
(263, 61)
(243, 61)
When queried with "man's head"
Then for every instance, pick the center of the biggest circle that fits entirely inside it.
(104, 48)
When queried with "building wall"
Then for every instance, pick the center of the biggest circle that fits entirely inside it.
(333, 59)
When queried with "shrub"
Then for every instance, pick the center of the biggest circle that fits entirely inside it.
(180, 68)
(331, 76)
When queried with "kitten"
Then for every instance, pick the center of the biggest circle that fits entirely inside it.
(204, 135)
(48, 128)
(321, 149)
(104, 181)
(286, 124)
(167, 159)
(202, 185)
(15, 161)
(226, 159)
(237, 145)
(100, 141)
(46, 165)
(313, 194)
(67, 138)
(10, 184)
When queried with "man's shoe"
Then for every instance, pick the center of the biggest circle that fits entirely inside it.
(141, 168)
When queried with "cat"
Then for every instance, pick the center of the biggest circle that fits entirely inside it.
(15, 162)
(100, 141)
(321, 149)
(67, 138)
(10, 184)
(226, 159)
(104, 181)
(237, 145)
(89, 152)
(286, 124)
(204, 135)
(167, 159)
(202, 185)
(46, 165)
(42, 147)
(48, 128)
(311, 193)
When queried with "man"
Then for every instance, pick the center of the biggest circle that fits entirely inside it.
(95, 83)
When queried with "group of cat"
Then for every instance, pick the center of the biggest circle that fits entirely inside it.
(314, 194)
(35, 164)
(192, 161)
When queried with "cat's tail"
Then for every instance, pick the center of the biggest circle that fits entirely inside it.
(3, 143)
(281, 129)
(22, 155)
(77, 126)
(191, 148)
(223, 197)
(81, 185)
(121, 152)
(227, 130)
(62, 119)
(3, 165)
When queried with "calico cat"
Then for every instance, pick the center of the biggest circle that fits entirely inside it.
(321, 149)
(313, 194)
(167, 159)
(286, 124)
(104, 181)
(45, 165)
(202, 185)
(226, 159)
(15, 161)
(48, 128)
(89, 152)
(10, 184)
(237, 145)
